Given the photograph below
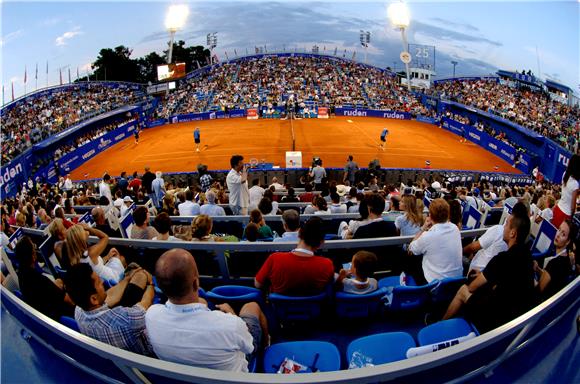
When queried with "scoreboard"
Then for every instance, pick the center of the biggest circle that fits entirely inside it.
(423, 56)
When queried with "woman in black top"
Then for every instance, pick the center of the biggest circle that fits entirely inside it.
(558, 269)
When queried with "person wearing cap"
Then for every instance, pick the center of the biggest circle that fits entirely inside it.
(127, 202)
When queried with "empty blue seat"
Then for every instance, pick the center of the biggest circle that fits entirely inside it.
(544, 241)
(297, 308)
(70, 323)
(355, 306)
(314, 355)
(381, 348)
(407, 297)
(234, 294)
(444, 330)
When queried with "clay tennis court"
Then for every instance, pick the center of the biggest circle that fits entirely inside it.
(170, 148)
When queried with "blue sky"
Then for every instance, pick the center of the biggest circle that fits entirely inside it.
(481, 36)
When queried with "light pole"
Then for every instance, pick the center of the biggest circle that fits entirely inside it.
(211, 43)
(365, 39)
(454, 65)
(175, 20)
(399, 16)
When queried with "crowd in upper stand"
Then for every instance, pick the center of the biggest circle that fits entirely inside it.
(293, 83)
(34, 119)
(502, 279)
(272, 81)
(529, 108)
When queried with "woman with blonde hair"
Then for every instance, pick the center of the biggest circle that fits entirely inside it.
(57, 230)
(409, 223)
(201, 227)
(110, 267)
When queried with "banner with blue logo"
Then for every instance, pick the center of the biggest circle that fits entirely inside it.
(497, 147)
(79, 156)
(183, 118)
(428, 120)
(14, 174)
(372, 113)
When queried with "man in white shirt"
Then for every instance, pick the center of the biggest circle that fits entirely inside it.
(185, 331)
(211, 208)
(291, 224)
(237, 181)
(188, 207)
(439, 241)
(104, 188)
(276, 184)
(68, 184)
(256, 194)
(487, 246)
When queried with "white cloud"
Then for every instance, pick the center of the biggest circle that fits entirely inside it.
(10, 36)
(62, 39)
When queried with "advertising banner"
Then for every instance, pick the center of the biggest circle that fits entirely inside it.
(252, 114)
(14, 174)
(79, 156)
(372, 113)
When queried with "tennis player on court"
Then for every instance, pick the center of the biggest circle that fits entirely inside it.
(196, 138)
(384, 134)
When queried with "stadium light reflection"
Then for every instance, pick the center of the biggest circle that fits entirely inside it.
(400, 17)
(175, 20)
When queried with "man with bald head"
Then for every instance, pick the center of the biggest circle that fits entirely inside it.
(186, 331)
(102, 224)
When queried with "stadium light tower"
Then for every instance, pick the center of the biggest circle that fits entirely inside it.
(454, 63)
(399, 16)
(175, 20)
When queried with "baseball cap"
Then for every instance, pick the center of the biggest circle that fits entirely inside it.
(127, 199)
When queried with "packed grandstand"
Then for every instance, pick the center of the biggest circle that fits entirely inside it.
(394, 211)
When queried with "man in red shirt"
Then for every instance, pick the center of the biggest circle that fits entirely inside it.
(299, 272)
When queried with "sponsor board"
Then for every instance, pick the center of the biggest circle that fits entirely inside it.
(252, 114)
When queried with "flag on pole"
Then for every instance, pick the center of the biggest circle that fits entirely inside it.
(2, 94)
(77, 73)
(246, 51)
(25, 75)
(69, 75)
(12, 90)
(235, 52)
(198, 65)
(335, 49)
(324, 49)
(226, 52)
(353, 55)
(60, 73)
(36, 73)
(344, 53)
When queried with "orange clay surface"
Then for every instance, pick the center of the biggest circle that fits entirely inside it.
(170, 148)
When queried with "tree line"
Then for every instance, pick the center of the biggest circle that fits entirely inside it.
(116, 63)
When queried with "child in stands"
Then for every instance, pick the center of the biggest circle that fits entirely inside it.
(357, 279)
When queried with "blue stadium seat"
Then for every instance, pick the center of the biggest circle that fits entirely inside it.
(544, 241)
(445, 330)
(446, 290)
(349, 305)
(234, 294)
(70, 323)
(297, 308)
(407, 297)
(377, 349)
(316, 356)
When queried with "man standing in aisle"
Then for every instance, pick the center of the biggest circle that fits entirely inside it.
(350, 170)
(237, 182)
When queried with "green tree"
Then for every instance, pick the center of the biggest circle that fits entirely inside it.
(188, 55)
(148, 67)
(116, 64)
